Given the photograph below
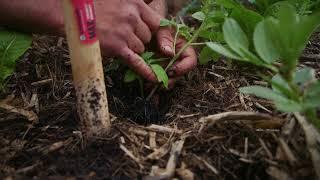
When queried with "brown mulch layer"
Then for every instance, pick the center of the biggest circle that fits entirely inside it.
(54, 147)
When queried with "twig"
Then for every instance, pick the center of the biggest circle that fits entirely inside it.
(163, 129)
(130, 154)
(232, 115)
(209, 166)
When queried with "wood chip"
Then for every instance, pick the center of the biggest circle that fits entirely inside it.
(130, 154)
(30, 115)
(152, 140)
(163, 129)
(42, 82)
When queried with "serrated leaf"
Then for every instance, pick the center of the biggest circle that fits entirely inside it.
(130, 76)
(207, 55)
(146, 56)
(263, 44)
(222, 50)
(161, 74)
(12, 46)
(165, 22)
(199, 16)
(15, 45)
(234, 36)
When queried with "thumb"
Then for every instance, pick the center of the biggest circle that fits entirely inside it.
(165, 41)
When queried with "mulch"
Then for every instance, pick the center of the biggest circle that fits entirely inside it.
(53, 147)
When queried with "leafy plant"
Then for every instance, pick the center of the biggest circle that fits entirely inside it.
(12, 46)
(161, 74)
(274, 32)
(279, 38)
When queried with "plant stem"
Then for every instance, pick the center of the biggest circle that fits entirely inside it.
(173, 60)
(198, 44)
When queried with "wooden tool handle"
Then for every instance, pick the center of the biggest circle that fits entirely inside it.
(87, 66)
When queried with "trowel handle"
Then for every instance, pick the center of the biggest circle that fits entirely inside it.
(87, 69)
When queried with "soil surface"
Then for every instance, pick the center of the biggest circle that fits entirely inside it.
(54, 148)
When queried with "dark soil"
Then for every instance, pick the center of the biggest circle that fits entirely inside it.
(54, 148)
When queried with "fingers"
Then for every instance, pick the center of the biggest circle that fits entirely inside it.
(134, 43)
(137, 64)
(149, 16)
(186, 62)
(143, 32)
(165, 41)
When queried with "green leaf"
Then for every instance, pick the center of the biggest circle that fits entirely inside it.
(222, 50)
(264, 92)
(281, 102)
(161, 74)
(289, 106)
(263, 44)
(166, 22)
(289, 33)
(147, 55)
(280, 85)
(130, 76)
(312, 96)
(247, 19)
(228, 3)
(207, 55)
(199, 16)
(12, 46)
(304, 76)
(234, 36)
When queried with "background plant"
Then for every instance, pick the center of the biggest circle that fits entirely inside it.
(12, 46)
(272, 35)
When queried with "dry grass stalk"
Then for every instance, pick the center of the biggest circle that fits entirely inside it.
(233, 115)
(163, 129)
(130, 154)
(172, 162)
(313, 140)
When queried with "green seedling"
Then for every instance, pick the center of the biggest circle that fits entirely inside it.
(161, 74)
(12, 46)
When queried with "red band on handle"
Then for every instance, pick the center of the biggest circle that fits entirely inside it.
(86, 18)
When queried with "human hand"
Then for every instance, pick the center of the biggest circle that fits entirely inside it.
(123, 27)
(165, 38)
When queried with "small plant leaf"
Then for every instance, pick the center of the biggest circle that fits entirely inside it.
(288, 106)
(166, 22)
(234, 36)
(304, 76)
(264, 45)
(147, 55)
(161, 74)
(281, 102)
(12, 46)
(263, 92)
(130, 76)
(207, 55)
(199, 16)
(222, 50)
(312, 99)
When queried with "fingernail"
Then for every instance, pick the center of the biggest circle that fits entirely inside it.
(168, 49)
